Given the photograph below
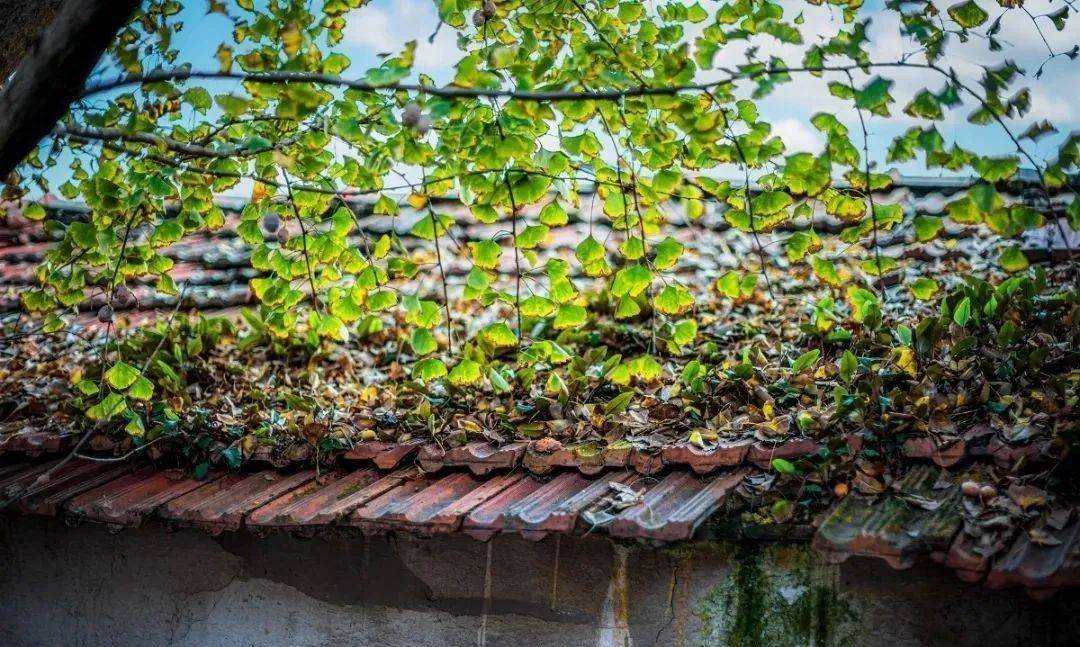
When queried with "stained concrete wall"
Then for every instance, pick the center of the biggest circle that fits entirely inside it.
(85, 586)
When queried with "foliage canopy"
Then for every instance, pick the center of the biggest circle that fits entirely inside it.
(556, 106)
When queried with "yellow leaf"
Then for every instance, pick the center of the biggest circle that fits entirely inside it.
(290, 38)
(259, 192)
(417, 201)
(225, 57)
(281, 159)
(905, 360)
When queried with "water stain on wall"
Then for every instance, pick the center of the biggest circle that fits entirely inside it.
(778, 595)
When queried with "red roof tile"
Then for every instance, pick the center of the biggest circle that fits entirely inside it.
(702, 461)
(384, 455)
(427, 507)
(222, 504)
(128, 499)
(919, 518)
(480, 457)
(920, 515)
(325, 500)
(78, 476)
(556, 505)
(673, 508)
(1042, 566)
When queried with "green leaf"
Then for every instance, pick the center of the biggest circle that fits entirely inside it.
(170, 231)
(923, 288)
(590, 251)
(826, 271)
(619, 403)
(486, 254)
(685, 332)
(553, 215)
(569, 316)
(1013, 260)
(631, 281)
(668, 252)
(770, 202)
(537, 306)
(962, 313)
(499, 335)
(121, 375)
(428, 369)
(848, 365)
(34, 211)
(142, 389)
(968, 14)
(925, 105)
(111, 405)
(644, 368)
(673, 300)
(382, 300)
(875, 96)
(423, 342)
(927, 227)
(783, 466)
(466, 373)
(87, 387)
(805, 361)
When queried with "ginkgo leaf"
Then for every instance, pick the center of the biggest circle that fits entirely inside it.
(499, 335)
(428, 369)
(121, 375)
(466, 373)
(968, 14)
(923, 288)
(1013, 260)
(569, 316)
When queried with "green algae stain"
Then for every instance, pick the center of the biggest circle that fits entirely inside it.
(777, 596)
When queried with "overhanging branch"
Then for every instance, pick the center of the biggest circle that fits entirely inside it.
(460, 92)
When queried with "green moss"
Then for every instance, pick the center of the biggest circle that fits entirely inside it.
(777, 596)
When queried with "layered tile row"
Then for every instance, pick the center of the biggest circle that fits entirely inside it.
(619, 503)
(922, 514)
(482, 457)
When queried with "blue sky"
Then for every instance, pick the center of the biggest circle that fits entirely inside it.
(385, 25)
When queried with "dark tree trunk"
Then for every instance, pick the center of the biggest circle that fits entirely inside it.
(22, 21)
(53, 71)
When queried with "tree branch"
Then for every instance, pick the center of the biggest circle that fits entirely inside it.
(456, 92)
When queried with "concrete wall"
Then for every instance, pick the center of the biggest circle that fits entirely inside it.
(85, 586)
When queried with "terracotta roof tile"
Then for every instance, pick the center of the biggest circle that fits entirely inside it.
(962, 557)
(78, 476)
(324, 500)
(222, 504)
(1042, 566)
(384, 455)
(762, 454)
(944, 454)
(727, 454)
(557, 504)
(33, 443)
(918, 518)
(673, 508)
(579, 458)
(480, 457)
(128, 499)
(430, 506)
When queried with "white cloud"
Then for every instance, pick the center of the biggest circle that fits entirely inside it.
(385, 27)
(798, 135)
